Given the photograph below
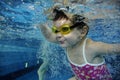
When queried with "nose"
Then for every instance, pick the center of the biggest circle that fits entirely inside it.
(58, 35)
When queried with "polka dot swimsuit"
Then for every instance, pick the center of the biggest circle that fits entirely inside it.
(89, 71)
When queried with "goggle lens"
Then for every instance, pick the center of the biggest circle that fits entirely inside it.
(64, 29)
(54, 29)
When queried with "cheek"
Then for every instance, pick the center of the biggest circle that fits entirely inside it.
(73, 37)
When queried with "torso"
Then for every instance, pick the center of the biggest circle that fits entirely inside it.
(87, 65)
(76, 56)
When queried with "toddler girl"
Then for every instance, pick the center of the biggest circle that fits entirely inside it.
(84, 54)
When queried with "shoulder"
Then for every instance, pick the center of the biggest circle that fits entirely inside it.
(94, 46)
(91, 43)
(100, 48)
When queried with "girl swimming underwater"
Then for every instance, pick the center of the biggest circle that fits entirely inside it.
(84, 54)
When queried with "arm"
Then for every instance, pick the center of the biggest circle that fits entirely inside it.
(42, 70)
(106, 48)
(47, 32)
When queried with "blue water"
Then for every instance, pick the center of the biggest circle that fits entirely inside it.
(22, 45)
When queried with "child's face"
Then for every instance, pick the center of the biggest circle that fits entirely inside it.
(64, 35)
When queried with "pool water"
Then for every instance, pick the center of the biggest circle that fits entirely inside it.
(22, 46)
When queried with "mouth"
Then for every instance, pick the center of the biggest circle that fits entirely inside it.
(61, 42)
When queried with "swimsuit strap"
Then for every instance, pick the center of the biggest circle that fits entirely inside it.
(84, 56)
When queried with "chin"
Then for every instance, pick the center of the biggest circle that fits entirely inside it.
(63, 45)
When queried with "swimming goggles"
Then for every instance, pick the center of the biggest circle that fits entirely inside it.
(64, 29)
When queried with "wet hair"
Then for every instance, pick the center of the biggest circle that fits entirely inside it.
(78, 20)
(59, 14)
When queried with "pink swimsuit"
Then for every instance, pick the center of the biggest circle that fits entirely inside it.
(89, 71)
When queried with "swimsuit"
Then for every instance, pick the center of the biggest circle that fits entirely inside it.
(90, 71)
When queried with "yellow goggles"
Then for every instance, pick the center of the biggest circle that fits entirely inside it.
(64, 29)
